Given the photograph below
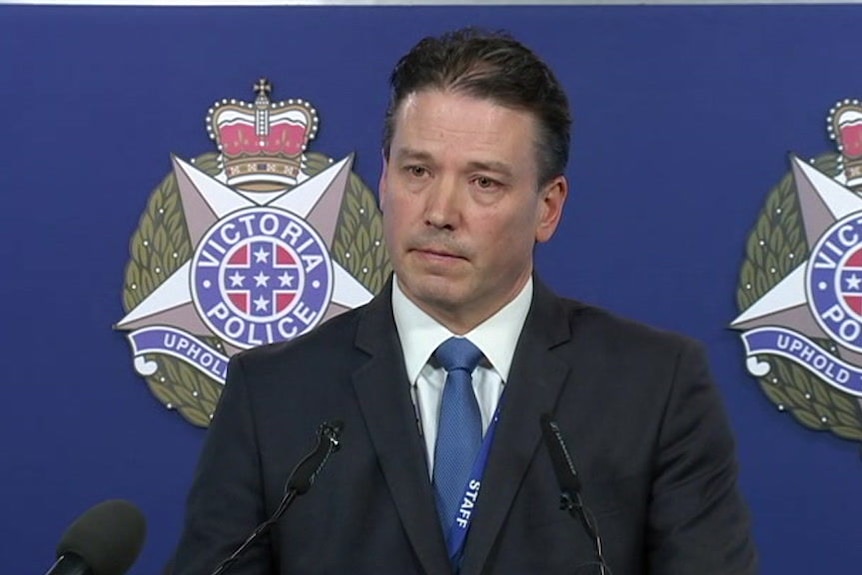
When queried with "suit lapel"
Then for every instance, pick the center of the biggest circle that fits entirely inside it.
(384, 397)
(535, 382)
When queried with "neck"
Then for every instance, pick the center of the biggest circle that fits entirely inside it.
(462, 319)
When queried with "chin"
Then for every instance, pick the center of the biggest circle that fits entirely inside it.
(435, 291)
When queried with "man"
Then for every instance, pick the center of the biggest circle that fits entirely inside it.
(435, 480)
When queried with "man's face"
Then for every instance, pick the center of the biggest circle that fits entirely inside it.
(461, 205)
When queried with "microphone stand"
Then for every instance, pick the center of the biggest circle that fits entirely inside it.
(570, 485)
(571, 502)
(298, 482)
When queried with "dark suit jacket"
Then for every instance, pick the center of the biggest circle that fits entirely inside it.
(643, 421)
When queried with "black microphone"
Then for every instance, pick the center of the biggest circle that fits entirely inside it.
(298, 483)
(564, 467)
(328, 442)
(105, 540)
(570, 484)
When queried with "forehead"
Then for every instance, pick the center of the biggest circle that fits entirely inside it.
(469, 123)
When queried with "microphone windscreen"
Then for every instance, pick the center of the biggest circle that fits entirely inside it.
(108, 537)
(567, 476)
(305, 472)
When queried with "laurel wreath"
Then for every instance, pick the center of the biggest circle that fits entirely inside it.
(776, 247)
(161, 244)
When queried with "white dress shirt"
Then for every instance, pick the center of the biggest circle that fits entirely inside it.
(420, 335)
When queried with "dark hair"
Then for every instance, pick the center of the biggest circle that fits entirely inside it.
(490, 65)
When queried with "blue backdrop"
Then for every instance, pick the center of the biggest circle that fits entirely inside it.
(684, 119)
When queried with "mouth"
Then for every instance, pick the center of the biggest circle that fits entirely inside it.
(437, 254)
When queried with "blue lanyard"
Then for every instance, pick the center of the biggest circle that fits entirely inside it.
(463, 519)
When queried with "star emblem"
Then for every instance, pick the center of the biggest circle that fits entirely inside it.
(823, 201)
(261, 304)
(261, 256)
(205, 201)
(286, 280)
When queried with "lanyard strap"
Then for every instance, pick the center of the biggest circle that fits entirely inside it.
(463, 519)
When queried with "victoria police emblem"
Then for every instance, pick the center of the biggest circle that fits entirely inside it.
(257, 243)
(800, 289)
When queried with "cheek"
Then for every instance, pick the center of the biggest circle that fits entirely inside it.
(395, 220)
(389, 223)
(500, 240)
(401, 209)
(511, 240)
(517, 225)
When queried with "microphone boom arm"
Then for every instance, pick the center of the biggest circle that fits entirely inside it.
(298, 483)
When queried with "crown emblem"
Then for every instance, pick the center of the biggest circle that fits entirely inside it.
(845, 127)
(262, 144)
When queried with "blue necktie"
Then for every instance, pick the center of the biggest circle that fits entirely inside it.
(459, 429)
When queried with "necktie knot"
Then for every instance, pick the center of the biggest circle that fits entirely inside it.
(458, 353)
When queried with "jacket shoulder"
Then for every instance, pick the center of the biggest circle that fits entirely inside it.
(618, 333)
(332, 338)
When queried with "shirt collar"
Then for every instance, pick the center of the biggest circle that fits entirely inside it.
(496, 337)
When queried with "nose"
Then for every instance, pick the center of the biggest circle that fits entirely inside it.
(442, 208)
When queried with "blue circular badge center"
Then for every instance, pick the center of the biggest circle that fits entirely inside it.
(261, 275)
(834, 282)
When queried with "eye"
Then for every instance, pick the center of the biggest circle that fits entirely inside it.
(416, 171)
(486, 183)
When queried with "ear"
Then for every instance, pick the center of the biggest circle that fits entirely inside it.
(552, 197)
(381, 185)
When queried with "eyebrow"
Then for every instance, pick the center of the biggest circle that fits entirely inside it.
(487, 166)
(496, 167)
(411, 154)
